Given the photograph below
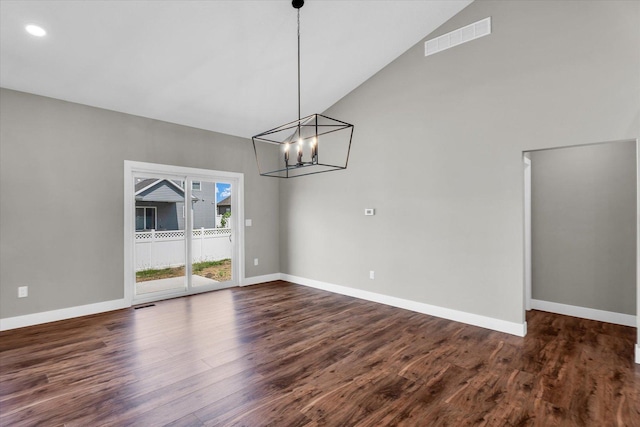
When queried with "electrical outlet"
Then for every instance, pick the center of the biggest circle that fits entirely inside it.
(255, 261)
(23, 291)
(372, 274)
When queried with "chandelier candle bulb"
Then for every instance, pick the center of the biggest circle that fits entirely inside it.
(314, 149)
(299, 155)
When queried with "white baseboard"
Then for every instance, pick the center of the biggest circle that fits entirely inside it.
(446, 313)
(585, 313)
(100, 307)
(61, 314)
(519, 329)
(261, 279)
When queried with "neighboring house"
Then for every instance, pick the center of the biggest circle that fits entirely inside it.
(160, 204)
(224, 206)
(204, 209)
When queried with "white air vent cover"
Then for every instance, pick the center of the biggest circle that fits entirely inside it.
(459, 36)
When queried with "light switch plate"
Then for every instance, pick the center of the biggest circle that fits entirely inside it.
(247, 222)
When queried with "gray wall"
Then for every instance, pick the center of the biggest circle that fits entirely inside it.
(583, 215)
(437, 151)
(62, 201)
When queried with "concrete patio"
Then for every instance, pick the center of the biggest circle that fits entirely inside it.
(170, 283)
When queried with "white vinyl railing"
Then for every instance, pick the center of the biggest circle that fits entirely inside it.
(162, 249)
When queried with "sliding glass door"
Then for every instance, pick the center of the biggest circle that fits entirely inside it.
(212, 243)
(160, 238)
(184, 229)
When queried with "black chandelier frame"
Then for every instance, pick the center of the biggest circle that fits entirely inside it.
(303, 130)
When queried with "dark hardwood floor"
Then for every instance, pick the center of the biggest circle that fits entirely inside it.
(285, 355)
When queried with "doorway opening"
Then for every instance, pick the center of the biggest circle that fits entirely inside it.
(182, 231)
(581, 232)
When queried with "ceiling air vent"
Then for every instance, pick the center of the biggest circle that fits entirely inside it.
(459, 36)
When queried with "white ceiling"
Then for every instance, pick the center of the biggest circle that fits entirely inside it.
(227, 66)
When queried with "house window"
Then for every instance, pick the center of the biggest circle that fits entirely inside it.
(146, 217)
(195, 185)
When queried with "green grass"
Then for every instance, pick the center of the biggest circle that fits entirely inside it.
(198, 267)
(151, 273)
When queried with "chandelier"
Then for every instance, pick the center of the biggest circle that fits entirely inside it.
(309, 145)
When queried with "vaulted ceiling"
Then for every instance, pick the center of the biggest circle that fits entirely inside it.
(227, 66)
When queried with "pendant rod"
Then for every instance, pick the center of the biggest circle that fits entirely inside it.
(299, 115)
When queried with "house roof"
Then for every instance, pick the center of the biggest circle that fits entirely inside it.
(225, 202)
(143, 184)
(147, 186)
(150, 182)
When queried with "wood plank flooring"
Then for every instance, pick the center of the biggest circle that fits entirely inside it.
(279, 354)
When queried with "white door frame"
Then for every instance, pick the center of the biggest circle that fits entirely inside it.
(527, 231)
(638, 250)
(132, 168)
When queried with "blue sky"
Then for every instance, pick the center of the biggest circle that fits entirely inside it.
(222, 191)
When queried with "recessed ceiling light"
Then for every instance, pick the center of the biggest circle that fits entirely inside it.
(35, 30)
